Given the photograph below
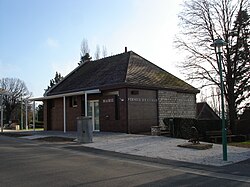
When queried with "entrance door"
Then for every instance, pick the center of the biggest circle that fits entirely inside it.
(93, 111)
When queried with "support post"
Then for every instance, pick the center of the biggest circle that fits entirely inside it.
(34, 112)
(224, 133)
(26, 114)
(64, 114)
(1, 104)
(218, 44)
(21, 113)
(86, 104)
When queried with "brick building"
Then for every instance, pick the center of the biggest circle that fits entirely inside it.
(122, 93)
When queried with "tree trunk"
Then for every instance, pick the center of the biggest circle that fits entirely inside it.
(231, 109)
(232, 119)
(229, 93)
(7, 116)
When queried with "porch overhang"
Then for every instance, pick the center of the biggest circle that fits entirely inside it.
(95, 91)
(85, 93)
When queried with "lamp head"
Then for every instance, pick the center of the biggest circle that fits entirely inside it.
(218, 44)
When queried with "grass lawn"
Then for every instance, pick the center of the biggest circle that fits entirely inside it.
(30, 129)
(37, 129)
(245, 144)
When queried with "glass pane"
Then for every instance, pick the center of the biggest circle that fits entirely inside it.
(97, 125)
(89, 109)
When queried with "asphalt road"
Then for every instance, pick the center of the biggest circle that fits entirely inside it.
(35, 163)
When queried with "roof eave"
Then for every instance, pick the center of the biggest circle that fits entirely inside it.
(94, 91)
(136, 86)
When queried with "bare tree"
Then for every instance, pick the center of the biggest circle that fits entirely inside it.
(84, 47)
(84, 52)
(104, 51)
(211, 95)
(18, 93)
(215, 99)
(203, 21)
(97, 52)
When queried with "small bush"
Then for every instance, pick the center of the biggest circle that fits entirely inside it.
(239, 138)
(38, 124)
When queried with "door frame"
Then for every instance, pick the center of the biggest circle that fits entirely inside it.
(91, 102)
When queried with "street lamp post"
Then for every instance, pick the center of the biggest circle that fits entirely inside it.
(21, 113)
(1, 105)
(2, 93)
(218, 44)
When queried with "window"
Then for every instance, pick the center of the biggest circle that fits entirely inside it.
(51, 103)
(117, 111)
(134, 92)
(73, 101)
(111, 93)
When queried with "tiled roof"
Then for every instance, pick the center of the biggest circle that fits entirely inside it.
(144, 73)
(126, 69)
(205, 112)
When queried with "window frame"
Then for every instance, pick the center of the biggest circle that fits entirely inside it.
(73, 101)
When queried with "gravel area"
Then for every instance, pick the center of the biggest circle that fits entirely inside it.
(166, 148)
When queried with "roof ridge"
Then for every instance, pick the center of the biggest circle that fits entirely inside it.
(202, 108)
(111, 56)
(125, 79)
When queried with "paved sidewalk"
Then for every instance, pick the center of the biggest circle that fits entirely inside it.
(154, 147)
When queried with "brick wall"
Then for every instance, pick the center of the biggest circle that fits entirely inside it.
(45, 115)
(53, 114)
(113, 111)
(55, 121)
(142, 110)
(172, 104)
(72, 112)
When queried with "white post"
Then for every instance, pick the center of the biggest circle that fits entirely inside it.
(22, 127)
(34, 114)
(64, 114)
(86, 104)
(26, 114)
(2, 118)
(1, 105)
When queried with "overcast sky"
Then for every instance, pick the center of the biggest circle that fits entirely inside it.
(40, 37)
